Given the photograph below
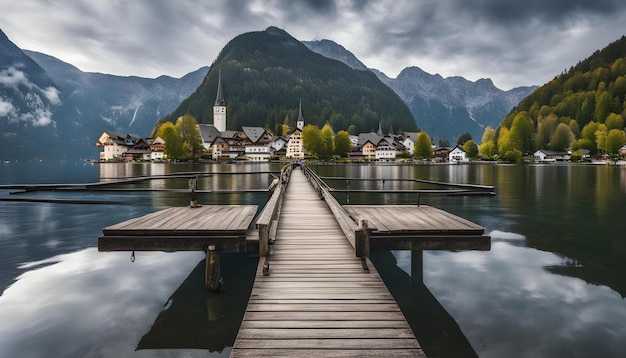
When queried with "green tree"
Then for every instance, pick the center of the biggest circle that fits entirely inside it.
(615, 140)
(488, 149)
(462, 138)
(327, 146)
(573, 125)
(522, 134)
(614, 121)
(173, 143)
(423, 146)
(471, 149)
(278, 129)
(545, 129)
(342, 144)
(601, 136)
(190, 133)
(561, 138)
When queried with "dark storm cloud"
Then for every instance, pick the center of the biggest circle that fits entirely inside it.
(513, 42)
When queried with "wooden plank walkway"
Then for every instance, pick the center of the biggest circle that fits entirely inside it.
(318, 300)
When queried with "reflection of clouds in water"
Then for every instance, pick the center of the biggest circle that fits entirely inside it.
(506, 236)
(89, 304)
(518, 297)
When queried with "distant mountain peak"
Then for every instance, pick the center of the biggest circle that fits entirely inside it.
(335, 51)
(276, 31)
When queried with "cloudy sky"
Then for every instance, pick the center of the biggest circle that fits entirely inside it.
(513, 42)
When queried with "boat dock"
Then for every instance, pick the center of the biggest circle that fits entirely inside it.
(316, 292)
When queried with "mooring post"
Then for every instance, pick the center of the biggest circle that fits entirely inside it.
(212, 274)
(417, 267)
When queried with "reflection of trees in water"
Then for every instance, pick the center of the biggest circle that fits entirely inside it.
(196, 318)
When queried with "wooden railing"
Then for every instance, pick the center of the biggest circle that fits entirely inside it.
(355, 231)
(267, 221)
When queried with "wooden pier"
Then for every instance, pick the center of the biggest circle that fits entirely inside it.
(317, 299)
(316, 293)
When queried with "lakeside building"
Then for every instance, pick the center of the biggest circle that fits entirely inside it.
(129, 147)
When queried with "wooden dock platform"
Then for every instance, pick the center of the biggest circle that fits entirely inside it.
(318, 300)
(182, 229)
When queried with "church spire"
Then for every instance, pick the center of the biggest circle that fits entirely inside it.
(219, 109)
(219, 99)
(300, 122)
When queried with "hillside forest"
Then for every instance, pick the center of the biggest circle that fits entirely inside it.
(582, 108)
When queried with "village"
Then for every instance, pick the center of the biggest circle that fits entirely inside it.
(257, 144)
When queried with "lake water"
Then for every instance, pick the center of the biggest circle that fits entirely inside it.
(553, 284)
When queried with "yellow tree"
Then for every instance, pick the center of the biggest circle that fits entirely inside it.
(173, 142)
(423, 146)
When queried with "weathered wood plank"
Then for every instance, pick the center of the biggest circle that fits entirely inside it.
(316, 333)
(318, 300)
(328, 353)
(316, 343)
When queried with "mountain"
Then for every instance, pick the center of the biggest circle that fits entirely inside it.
(337, 52)
(28, 98)
(443, 107)
(265, 74)
(50, 109)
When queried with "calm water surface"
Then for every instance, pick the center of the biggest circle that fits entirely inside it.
(552, 285)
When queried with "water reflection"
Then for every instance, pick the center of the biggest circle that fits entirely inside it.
(202, 319)
(88, 303)
(507, 292)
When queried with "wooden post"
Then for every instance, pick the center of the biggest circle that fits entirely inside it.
(212, 274)
(417, 267)
(362, 243)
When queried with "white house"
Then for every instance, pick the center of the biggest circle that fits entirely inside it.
(457, 155)
(550, 156)
(295, 145)
(116, 145)
(409, 141)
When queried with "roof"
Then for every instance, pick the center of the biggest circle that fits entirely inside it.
(411, 135)
(369, 137)
(208, 132)
(253, 133)
(552, 152)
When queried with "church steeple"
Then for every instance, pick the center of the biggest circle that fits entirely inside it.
(219, 99)
(219, 109)
(300, 122)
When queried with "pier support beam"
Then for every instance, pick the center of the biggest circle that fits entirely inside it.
(212, 273)
(417, 267)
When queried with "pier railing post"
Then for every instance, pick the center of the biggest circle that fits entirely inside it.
(362, 243)
(212, 274)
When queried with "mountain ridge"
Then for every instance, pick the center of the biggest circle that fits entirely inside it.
(443, 107)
